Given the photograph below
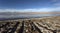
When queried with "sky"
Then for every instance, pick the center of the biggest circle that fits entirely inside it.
(29, 5)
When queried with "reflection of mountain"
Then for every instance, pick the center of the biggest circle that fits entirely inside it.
(27, 14)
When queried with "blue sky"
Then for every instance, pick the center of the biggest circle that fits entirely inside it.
(29, 5)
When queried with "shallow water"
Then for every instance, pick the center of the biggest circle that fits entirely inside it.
(23, 16)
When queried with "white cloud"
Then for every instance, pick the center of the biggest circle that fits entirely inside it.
(43, 9)
(31, 10)
(56, 2)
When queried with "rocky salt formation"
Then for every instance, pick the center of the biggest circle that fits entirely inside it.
(34, 25)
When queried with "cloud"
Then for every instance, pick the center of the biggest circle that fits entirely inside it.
(55, 2)
(42, 9)
(31, 10)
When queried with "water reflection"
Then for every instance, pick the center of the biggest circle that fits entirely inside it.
(21, 16)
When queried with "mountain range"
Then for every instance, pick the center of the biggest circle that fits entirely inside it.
(27, 13)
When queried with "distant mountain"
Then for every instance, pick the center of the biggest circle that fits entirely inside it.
(11, 13)
(27, 13)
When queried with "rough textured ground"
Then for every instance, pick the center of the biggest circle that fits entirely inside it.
(33, 25)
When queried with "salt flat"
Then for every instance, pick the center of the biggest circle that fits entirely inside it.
(33, 25)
